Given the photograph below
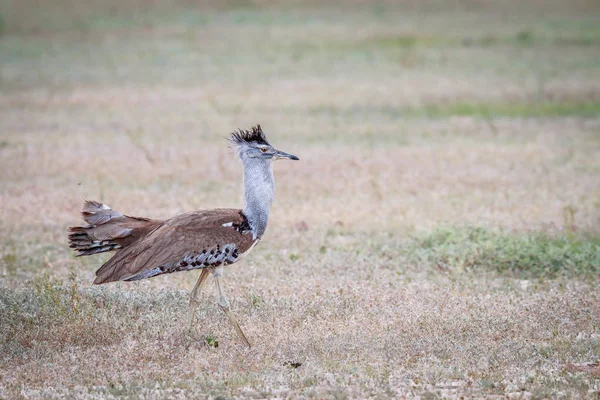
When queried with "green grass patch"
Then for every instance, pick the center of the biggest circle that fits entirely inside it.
(462, 109)
(523, 255)
(509, 110)
(409, 45)
(522, 38)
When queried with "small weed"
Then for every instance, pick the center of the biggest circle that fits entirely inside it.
(212, 341)
(255, 300)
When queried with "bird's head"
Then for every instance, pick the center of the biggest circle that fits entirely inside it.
(253, 144)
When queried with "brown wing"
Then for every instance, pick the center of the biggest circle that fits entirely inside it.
(194, 240)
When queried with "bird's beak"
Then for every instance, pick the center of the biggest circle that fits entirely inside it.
(280, 154)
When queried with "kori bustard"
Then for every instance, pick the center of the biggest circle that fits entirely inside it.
(206, 239)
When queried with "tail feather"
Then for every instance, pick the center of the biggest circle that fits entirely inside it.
(107, 230)
(95, 213)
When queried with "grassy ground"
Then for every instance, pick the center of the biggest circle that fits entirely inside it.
(439, 237)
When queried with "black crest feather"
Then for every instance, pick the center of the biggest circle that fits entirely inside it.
(255, 134)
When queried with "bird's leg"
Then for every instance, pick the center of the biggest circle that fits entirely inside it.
(224, 305)
(194, 296)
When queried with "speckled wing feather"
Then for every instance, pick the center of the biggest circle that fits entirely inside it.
(195, 240)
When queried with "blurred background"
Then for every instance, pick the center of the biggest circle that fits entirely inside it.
(407, 114)
(436, 138)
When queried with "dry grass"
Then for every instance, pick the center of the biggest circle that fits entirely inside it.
(357, 339)
(439, 237)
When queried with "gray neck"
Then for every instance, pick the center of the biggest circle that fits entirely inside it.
(259, 188)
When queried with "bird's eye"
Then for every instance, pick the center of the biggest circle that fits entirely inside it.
(263, 150)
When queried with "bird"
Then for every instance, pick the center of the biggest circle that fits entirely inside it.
(205, 240)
